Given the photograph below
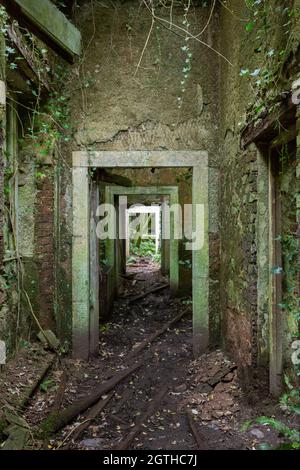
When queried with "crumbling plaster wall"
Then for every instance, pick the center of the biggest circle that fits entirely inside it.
(117, 106)
(238, 199)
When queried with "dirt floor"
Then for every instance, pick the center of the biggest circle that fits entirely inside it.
(203, 406)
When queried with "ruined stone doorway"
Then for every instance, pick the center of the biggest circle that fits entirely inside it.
(276, 281)
(147, 220)
(85, 317)
(277, 268)
(112, 252)
(283, 257)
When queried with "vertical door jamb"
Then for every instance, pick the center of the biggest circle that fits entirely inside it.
(94, 270)
(200, 263)
(81, 263)
(275, 317)
(174, 247)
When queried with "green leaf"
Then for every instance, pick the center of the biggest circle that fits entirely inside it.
(249, 26)
(246, 425)
(244, 72)
(264, 446)
(46, 384)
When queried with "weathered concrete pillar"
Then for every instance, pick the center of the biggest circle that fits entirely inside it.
(263, 255)
(81, 263)
(165, 243)
(122, 204)
(157, 229)
(173, 243)
(200, 263)
(110, 244)
(118, 255)
(94, 271)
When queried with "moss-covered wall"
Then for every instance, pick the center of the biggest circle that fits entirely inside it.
(26, 189)
(117, 106)
(245, 270)
(132, 90)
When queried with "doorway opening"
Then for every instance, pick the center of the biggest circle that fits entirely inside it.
(117, 249)
(283, 258)
(85, 249)
(143, 242)
(278, 275)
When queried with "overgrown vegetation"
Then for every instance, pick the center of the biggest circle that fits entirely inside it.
(43, 116)
(269, 85)
(49, 126)
(144, 248)
(270, 29)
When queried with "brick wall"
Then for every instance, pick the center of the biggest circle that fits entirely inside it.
(239, 259)
(44, 250)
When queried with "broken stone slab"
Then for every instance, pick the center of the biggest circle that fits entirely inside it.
(17, 439)
(181, 388)
(14, 419)
(220, 375)
(296, 84)
(222, 387)
(217, 414)
(257, 433)
(48, 338)
(2, 353)
(18, 431)
(96, 443)
(2, 93)
(205, 388)
(229, 377)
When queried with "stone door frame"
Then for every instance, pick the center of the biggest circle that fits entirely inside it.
(146, 212)
(172, 192)
(84, 340)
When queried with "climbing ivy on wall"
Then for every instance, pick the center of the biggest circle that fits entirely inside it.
(49, 116)
(290, 304)
(269, 28)
(45, 125)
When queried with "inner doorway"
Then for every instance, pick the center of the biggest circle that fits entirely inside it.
(143, 233)
(284, 280)
(113, 195)
(85, 263)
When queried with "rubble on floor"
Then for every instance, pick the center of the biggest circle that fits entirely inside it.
(204, 406)
(22, 375)
(214, 391)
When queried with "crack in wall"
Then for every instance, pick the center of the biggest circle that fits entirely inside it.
(151, 135)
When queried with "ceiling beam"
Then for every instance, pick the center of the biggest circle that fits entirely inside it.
(48, 23)
(30, 65)
(271, 125)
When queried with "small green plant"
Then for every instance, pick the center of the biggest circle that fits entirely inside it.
(291, 435)
(145, 247)
(187, 55)
(187, 301)
(187, 263)
(39, 175)
(64, 348)
(105, 327)
(290, 400)
(266, 18)
(24, 344)
(131, 260)
(46, 384)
